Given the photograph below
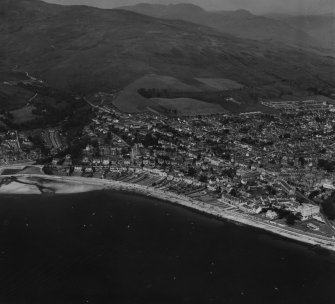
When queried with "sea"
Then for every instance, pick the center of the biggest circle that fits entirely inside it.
(116, 247)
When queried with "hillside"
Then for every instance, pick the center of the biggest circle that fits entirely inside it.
(130, 100)
(320, 27)
(240, 23)
(84, 50)
(12, 98)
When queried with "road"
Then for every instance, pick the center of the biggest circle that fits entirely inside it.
(324, 217)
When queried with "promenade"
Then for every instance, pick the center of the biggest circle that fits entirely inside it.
(90, 184)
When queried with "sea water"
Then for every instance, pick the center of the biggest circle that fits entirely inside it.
(113, 247)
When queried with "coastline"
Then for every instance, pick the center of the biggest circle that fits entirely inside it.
(82, 184)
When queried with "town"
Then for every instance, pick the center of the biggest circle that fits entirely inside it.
(273, 167)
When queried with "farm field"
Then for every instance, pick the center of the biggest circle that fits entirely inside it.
(189, 106)
(220, 84)
(23, 115)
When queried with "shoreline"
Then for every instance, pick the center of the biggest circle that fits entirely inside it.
(181, 200)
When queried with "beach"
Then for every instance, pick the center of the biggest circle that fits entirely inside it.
(40, 184)
(27, 184)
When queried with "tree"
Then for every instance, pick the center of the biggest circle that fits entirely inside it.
(291, 219)
(302, 161)
(271, 190)
(233, 192)
(191, 171)
(203, 179)
(94, 143)
(150, 140)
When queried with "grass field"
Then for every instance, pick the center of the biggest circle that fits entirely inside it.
(13, 97)
(220, 84)
(23, 115)
(188, 106)
(10, 171)
(32, 170)
(2, 124)
(8, 75)
(161, 82)
(129, 100)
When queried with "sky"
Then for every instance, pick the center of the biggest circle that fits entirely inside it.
(255, 6)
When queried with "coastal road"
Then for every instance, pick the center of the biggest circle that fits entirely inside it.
(310, 238)
(327, 221)
(324, 217)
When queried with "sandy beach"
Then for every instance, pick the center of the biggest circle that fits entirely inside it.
(18, 188)
(39, 184)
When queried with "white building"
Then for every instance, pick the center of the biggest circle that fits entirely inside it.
(308, 210)
(272, 215)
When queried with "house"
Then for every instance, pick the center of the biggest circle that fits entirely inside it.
(78, 169)
(272, 215)
(307, 211)
(55, 161)
(105, 162)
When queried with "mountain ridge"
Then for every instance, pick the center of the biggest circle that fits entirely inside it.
(295, 7)
(320, 27)
(84, 50)
(241, 23)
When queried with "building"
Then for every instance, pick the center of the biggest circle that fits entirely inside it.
(272, 215)
(307, 211)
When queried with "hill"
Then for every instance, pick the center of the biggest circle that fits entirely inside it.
(12, 97)
(130, 100)
(84, 50)
(320, 27)
(240, 23)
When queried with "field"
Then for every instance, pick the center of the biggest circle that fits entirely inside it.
(13, 97)
(188, 106)
(220, 84)
(160, 82)
(26, 170)
(129, 100)
(8, 75)
(32, 170)
(10, 171)
(3, 126)
(174, 97)
(23, 115)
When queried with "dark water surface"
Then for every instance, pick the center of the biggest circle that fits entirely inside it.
(107, 247)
